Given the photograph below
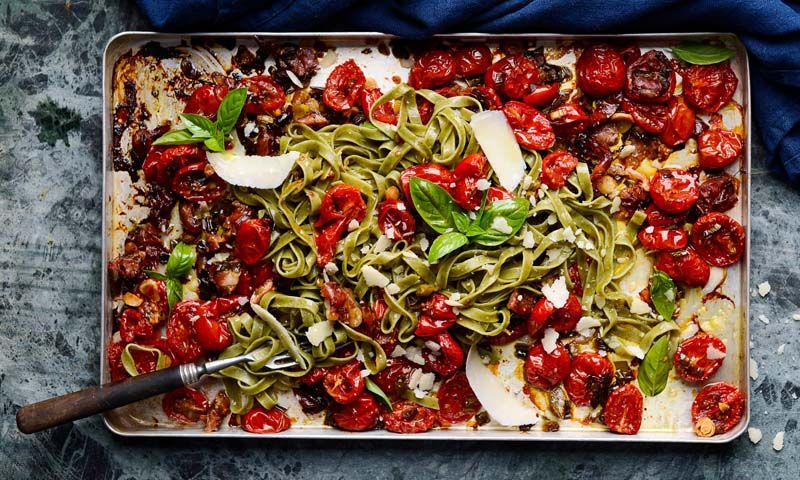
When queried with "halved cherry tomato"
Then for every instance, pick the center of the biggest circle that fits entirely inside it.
(657, 218)
(198, 183)
(521, 302)
(162, 163)
(205, 100)
(396, 220)
(115, 367)
(680, 122)
(589, 379)
(133, 326)
(497, 193)
(718, 239)
(431, 69)
(531, 127)
(253, 277)
(180, 332)
(709, 87)
(515, 330)
(344, 383)
(545, 370)
(540, 314)
(692, 358)
(213, 334)
(409, 417)
(437, 316)
(359, 415)
(487, 96)
(718, 148)
(155, 308)
(393, 379)
(448, 359)
(341, 303)
(384, 113)
(263, 95)
(722, 403)
(650, 78)
(660, 238)
(651, 117)
(557, 166)
(252, 240)
(674, 190)
(343, 87)
(718, 193)
(146, 361)
(684, 265)
(564, 319)
(314, 376)
(600, 71)
(340, 205)
(522, 79)
(569, 119)
(260, 420)
(575, 278)
(371, 325)
(473, 60)
(425, 109)
(629, 53)
(431, 172)
(623, 410)
(185, 405)
(495, 77)
(457, 401)
(542, 95)
(467, 173)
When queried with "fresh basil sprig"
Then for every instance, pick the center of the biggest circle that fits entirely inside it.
(662, 293)
(375, 389)
(200, 129)
(180, 262)
(654, 370)
(438, 209)
(701, 53)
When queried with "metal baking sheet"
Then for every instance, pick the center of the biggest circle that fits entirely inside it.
(142, 420)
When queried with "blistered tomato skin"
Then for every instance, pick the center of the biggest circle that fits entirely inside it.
(409, 417)
(205, 100)
(457, 401)
(260, 420)
(542, 96)
(650, 78)
(253, 240)
(185, 405)
(623, 410)
(448, 359)
(660, 238)
(685, 266)
(564, 319)
(680, 122)
(436, 316)
(263, 95)
(395, 220)
(722, 403)
(657, 218)
(344, 383)
(467, 173)
(557, 166)
(340, 205)
(709, 87)
(718, 239)
(719, 148)
(496, 75)
(589, 379)
(531, 128)
(431, 172)
(540, 314)
(358, 416)
(384, 113)
(718, 193)
(472, 61)
(545, 370)
(521, 79)
(393, 379)
(343, 87)
(600, 71)
(674, 190)
(568, 120)
(651, 117)
(432, 69)
(692, 360)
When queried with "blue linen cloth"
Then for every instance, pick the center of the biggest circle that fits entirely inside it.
(770, 29)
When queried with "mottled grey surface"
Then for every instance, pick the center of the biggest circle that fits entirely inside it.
(50, 174)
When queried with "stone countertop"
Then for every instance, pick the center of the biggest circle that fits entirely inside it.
(50, 183)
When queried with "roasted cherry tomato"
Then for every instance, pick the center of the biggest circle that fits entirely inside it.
(709, 87)
(205, 100)
(263, 95)
(564, 319)
(198, 183)
(600, 71)
(457, 401)
(393, 379)
(155, 308)
(589, 379)
(344, 383)
(252, 240)
(314, 376)
(212, 333)
(340, 205)
(718, 193)
(341, 303)
(473, 60)
(718, 239)
(487, 96)
(722, 403)
(718, 148)
(371, 325)
(429, 171)
(343, 88)
(650, 78)
(260, 420)
(146, 361)
(515, 330)
(522, 79)
(680, 122)
(545, 370)
(180, 331)
(575, 279)
(396, 220)
(467, 173)
(115, 367)
(684, 265)
(650, 117)
(674, 190)
(432, 69)
(531, 127)
(557, 166)
(657, 218)
(255, 277)
(542, 95)
(359, 415)
(384, 113)
(660, 238)
(498, 193)
(448, 359)
(409, 417)
(437, 316)
(133, 326)
(623, 410)
(495, 77)
(629, 53)
(425, 109)
(162, 163)
(521, 302)
(699, 357)
(540, 314)
(569, 119)
(185, 405)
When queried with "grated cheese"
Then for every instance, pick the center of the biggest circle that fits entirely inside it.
(754, 434)
(373, 277)
(549, 340)
(528, 240)
(556, 292)
(501, 225)
(777, 442)
(764, 288)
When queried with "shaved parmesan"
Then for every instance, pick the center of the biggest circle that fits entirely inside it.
(497, 141)
(777, 442)
(373, 277)
(586, 324)
(253, 170)
(556, 292)
(714, 354)
(501, 225)
(753, 369)
(527, 240)
(392, 289)
(754, 434)
(549, 340)
(715, 278)
(505, 408)
(764, 289)
(382, 244)
(318, 332)
(640, 307)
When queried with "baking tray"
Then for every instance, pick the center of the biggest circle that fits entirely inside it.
(133, 420)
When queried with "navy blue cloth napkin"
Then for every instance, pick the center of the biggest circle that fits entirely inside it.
(770, 29)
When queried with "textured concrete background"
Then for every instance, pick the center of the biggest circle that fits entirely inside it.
(50, 174)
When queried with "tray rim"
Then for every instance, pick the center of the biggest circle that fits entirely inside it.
(458, 435)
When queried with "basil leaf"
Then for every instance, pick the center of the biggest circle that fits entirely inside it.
(461, 220)
(433, 204)
(662, 293)
(154, 274)
(654, 370)
(198, 125)
(446, 243)
(174, 291)
(216, 143)
(177, 137)
(374, 388)
(701, 53)
(230, 108)
(181, 260)
(515, 211)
